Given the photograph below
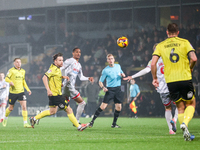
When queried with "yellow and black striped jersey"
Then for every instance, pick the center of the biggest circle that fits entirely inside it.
(174, 52)
(18, 78)
(55, 79)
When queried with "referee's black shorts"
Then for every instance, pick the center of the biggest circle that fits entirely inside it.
(113, 93)
(181, 90)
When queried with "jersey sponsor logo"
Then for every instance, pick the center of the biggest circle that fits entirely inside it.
(160, 64)
(61, 106)
(24, 97)
(75, 71)
(189, 94)
(49, 71)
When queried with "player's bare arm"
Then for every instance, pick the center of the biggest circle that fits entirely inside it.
(102, 86)
(128, 78)
(45, 81)
(193, 59)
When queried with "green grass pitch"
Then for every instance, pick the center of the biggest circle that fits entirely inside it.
(58, 133)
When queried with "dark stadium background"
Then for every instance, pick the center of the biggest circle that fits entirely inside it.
(34, 30)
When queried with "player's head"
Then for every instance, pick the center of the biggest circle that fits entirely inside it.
(17, 63)
(2, 76)
(110, 59)
(172, 29)
(132, 81)
(76, 53)
(58, 59)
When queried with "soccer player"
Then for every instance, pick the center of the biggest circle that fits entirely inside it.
(175, 52)
(134, 93)
(162, 89)
(53, 82)
(4, 91)
(113, 74)
(72, 68)
(16, 78)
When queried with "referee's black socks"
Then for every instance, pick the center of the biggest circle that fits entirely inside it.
(116, 115)
(97, 113)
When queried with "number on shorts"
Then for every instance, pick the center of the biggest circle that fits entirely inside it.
(174, 57)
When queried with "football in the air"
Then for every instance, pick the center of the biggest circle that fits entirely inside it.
(122, 42)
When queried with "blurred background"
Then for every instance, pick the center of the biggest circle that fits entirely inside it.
(35, 30)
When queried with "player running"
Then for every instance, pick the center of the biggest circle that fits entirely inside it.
(72, 68)
(162, 89)
(175, 52)
(4, 92)
(53, 82)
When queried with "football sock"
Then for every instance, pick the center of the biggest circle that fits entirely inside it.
(176, 115)
(42, 114)
(24, 114)
(79, 110)
(168, 116)
(97, 113)
(73, 119)
(116, 115)
(3, 109)
(188, 114)
(180, 118)
(7, 112)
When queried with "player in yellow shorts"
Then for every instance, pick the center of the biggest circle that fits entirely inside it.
(16, 78)
(175, 52)
(53, 82)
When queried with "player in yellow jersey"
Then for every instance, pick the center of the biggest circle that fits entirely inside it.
(53, 83)
(175, 52)
(16, 78)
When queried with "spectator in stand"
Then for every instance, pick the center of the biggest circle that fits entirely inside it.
(152, 108)
(91, 92)
(66, 52)
(29, 39)
(135, 62)
(43, 39)
(87, 48)
(149, 43)
(86, 71)
(120, 56)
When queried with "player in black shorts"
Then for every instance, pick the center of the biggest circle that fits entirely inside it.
(53, 82)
